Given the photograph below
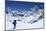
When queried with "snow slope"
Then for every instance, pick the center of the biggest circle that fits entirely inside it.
(25, 19)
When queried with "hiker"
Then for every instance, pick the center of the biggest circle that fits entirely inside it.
(14, 23)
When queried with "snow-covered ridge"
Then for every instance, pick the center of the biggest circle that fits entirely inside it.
(28, 17)
(35, 13)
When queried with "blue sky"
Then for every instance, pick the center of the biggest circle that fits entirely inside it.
(18, 5)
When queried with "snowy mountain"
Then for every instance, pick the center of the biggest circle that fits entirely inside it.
(25, 17)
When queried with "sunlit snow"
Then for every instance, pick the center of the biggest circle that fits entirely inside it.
(25, 19)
